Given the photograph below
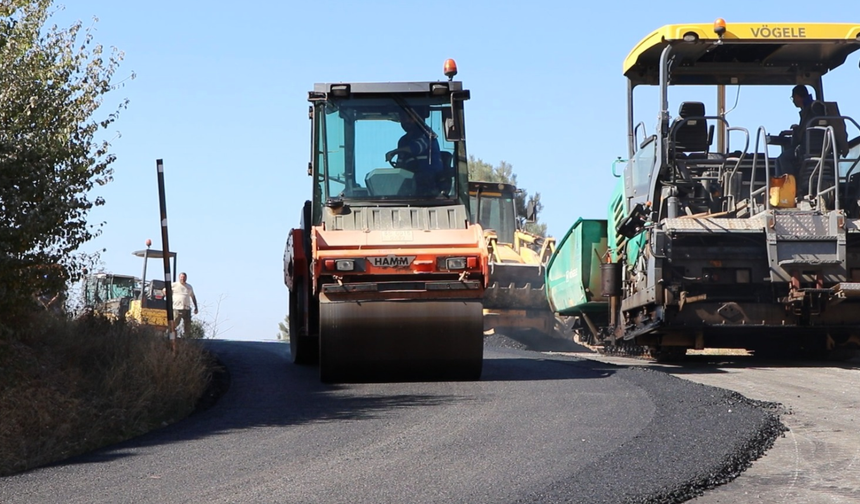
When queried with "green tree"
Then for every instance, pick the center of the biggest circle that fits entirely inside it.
(197, 330)
(504, 173)
(284, 329)
(52, 84)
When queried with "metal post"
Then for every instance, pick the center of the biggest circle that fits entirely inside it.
(631, 129)
(143, 277)
(721, 111)
(165, 247)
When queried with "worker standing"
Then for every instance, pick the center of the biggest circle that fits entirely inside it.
(183, 296)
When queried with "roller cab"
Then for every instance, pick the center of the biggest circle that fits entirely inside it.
(385, 272)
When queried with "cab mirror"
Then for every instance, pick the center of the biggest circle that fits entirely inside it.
(454, 119)
(531, 212)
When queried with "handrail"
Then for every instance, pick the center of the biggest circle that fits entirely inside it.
(828, 146)
(766, 188)
(855, 162)
(635, 138)
(730, 175)
(618, 160)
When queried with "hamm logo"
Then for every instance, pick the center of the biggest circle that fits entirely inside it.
(391, 261)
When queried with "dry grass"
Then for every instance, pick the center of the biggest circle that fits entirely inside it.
(68, 387)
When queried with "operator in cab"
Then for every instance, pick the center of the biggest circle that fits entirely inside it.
(417, 150)
(788, 163)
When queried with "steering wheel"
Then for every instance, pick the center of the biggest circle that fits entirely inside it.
(390, 155)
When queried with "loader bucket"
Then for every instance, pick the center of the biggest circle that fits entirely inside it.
(516, 286)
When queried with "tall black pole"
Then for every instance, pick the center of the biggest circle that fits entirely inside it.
(165, 247)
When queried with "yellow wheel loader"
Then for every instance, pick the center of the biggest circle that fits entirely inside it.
(135, 299)
(516, 297)
(150, 305)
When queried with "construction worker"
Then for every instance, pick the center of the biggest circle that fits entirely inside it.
(418, 150)
(790, 160)
(183, 296)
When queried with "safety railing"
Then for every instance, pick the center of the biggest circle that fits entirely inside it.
(764, 190)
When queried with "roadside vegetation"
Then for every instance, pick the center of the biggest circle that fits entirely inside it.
(71, 386)
(67, 386)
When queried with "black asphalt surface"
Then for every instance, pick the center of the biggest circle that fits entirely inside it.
(536, 428)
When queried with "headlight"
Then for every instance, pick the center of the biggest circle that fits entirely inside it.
(455, 263)
(339, 264)
(344, 264)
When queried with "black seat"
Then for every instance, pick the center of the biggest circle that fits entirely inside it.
(837, 121)
(391, 182)
(447, 160)
(446, 178)
(824, 114)
(812, 131)
(155, 295)
(691, 135)
(155, 288)
(697, 168)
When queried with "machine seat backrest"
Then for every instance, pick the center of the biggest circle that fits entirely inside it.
(156, 288)
(446, 179)
(447, 160)
(838, 122)
(692, 135)
(390, 182)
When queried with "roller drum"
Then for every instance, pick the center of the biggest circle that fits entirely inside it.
(406, 340)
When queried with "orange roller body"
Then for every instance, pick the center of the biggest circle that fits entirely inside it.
(386, 272)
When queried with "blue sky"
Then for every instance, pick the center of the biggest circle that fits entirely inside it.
(220, 94)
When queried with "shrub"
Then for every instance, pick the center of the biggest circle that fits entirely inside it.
(72, 386)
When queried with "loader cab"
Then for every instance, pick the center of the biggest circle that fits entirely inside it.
(109, 295)
(494, 208)
(388, 144)
(151, 295)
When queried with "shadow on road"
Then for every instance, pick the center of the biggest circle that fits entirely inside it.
(715, 364)
(262, 388)
(702, 441)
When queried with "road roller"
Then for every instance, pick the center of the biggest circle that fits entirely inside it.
(386, 272)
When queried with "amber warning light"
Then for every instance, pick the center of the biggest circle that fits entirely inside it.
(720, 27)
(450, 69)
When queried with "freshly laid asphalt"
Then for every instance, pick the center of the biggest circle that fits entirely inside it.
(535, 428)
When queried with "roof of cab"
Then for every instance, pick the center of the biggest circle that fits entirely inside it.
(493, 187)
(388, 87)
(747, 53)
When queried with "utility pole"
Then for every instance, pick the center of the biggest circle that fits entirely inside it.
(168, 283)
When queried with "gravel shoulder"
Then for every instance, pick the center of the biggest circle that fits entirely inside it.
(817, 460)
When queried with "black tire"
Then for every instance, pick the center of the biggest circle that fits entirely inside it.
(841, 354)
(303, 349)
(667, 354)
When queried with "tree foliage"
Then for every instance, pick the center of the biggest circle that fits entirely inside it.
(504, 173)
(284, 329)
(52, 84)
